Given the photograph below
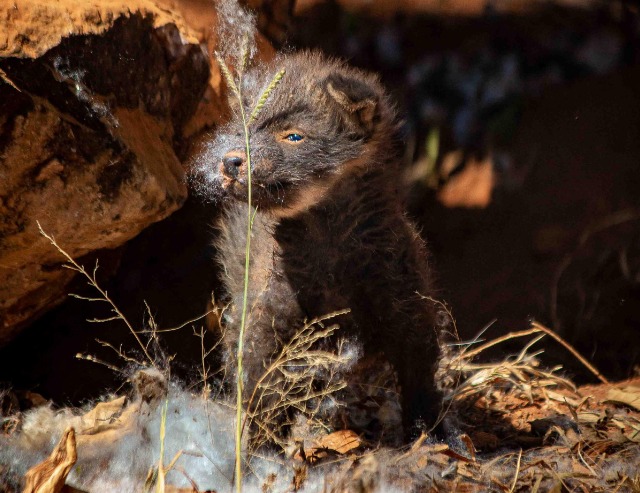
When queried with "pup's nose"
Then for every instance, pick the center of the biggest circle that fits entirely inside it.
(231, 164)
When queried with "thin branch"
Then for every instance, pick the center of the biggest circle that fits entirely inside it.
(498, 340)
(93, 282)
(571, 349)
(515, 476)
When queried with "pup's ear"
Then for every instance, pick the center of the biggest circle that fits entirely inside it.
(355, 97)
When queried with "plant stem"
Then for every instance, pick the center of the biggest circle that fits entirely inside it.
(160, 484)
(73, 265)
(239, 385)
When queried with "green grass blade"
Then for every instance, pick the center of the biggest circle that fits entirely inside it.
(227, 75)
(265, 95)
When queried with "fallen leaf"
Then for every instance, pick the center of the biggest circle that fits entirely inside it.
(466, 439)
(455, 455)
(339, 442)
(49, 476)
(102, 417)
(580, 470)
(590, 417)
(436, 448)
(342, 441)
(626, 395)
(437, 453)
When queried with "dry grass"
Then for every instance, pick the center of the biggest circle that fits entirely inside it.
(521, 372)
(514, 425)
(300, 379)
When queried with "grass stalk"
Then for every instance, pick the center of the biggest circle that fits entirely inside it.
(243, 319)
(160, 482)
(236, 89)
(91, 278)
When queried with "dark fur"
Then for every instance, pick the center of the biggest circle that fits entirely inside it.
(330, 232)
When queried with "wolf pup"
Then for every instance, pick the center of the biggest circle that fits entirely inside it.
(330, 232)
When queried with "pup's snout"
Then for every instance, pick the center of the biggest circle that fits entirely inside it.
(231, 164)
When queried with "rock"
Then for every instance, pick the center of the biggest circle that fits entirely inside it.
(100, 105)
(93, 103)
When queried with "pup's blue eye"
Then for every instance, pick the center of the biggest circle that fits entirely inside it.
(294, 137)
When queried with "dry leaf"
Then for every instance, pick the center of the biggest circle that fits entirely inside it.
(107, 423)
(49, 476)
(626, 395)
(556, 488)
(466, 439)
(102, 417)
(590, 417)
(468, 470)
(455, 455)
(634, 434)
(435, 453)
(580, 470)
(340, 442)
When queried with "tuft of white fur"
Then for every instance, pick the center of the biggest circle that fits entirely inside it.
(236, 32)
(205, 179)
(202, 431)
